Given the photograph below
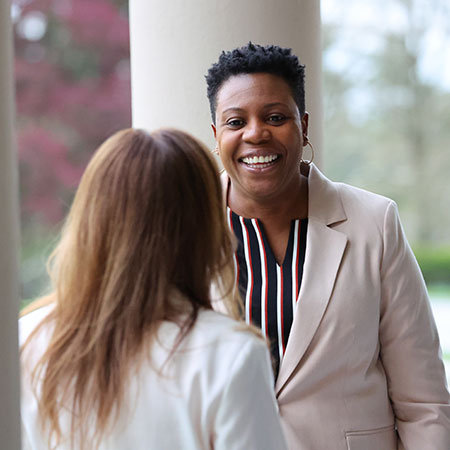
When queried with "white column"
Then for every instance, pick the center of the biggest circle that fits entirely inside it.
(9, 234)
(174, 42)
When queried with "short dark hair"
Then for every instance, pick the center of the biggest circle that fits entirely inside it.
(254, 58)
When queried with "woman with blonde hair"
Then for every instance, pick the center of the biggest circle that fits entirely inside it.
(126, 352)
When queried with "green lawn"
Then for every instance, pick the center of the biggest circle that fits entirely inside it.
(439, 291)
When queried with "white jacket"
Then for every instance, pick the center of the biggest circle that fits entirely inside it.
(216, 392)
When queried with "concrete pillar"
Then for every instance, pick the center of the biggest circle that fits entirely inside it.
(173, 44)
(9, 238)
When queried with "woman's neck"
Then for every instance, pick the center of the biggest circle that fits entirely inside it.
(292, 205)
(276, 214)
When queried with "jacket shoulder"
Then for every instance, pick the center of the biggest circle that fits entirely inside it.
(352, 195)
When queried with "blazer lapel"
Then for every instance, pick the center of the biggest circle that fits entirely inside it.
(324, 250)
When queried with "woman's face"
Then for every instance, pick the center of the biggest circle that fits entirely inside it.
(259, 134)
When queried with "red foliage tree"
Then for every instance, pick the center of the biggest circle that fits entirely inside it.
(72, 91)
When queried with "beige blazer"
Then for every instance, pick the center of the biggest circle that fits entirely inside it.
(362, 368)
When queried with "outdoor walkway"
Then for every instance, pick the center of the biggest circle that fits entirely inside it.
(441, 311)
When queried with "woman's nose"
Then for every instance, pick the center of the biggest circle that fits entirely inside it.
(256, 132)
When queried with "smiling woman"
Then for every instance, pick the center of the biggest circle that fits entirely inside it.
(326, 272)
(260, 135)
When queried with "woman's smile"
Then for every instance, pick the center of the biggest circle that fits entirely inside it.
(259, 159)
(260, 162)
(259, 135)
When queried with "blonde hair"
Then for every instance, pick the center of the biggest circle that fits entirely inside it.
(147, 221)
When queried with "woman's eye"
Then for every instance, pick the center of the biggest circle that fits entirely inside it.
(235, 122)
(275, 118)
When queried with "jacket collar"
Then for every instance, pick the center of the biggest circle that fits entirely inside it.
(324, 203)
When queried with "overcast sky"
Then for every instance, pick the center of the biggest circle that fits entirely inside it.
(362, 19)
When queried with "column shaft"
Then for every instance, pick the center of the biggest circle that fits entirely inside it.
(9, 234)
(174, 43)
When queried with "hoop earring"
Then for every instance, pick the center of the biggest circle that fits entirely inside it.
(216, 150)
(306, 161)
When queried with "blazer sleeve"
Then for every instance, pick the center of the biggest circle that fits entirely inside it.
(247, 416)
(26, 445)
(409, 346)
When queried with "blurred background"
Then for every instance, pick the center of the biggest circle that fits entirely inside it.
(72, 72)
(386, 75)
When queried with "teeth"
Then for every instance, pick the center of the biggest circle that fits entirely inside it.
(260, 159)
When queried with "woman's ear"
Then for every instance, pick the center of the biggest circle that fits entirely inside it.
(214, 130)
(305, 121)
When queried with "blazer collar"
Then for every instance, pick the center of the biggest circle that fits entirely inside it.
(325, 247)
(324, 204)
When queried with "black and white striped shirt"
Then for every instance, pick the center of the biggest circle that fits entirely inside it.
(270, 291)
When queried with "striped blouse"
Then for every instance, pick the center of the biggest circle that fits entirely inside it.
(270, 291)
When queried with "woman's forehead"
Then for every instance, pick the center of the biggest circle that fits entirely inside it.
(242, 90)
